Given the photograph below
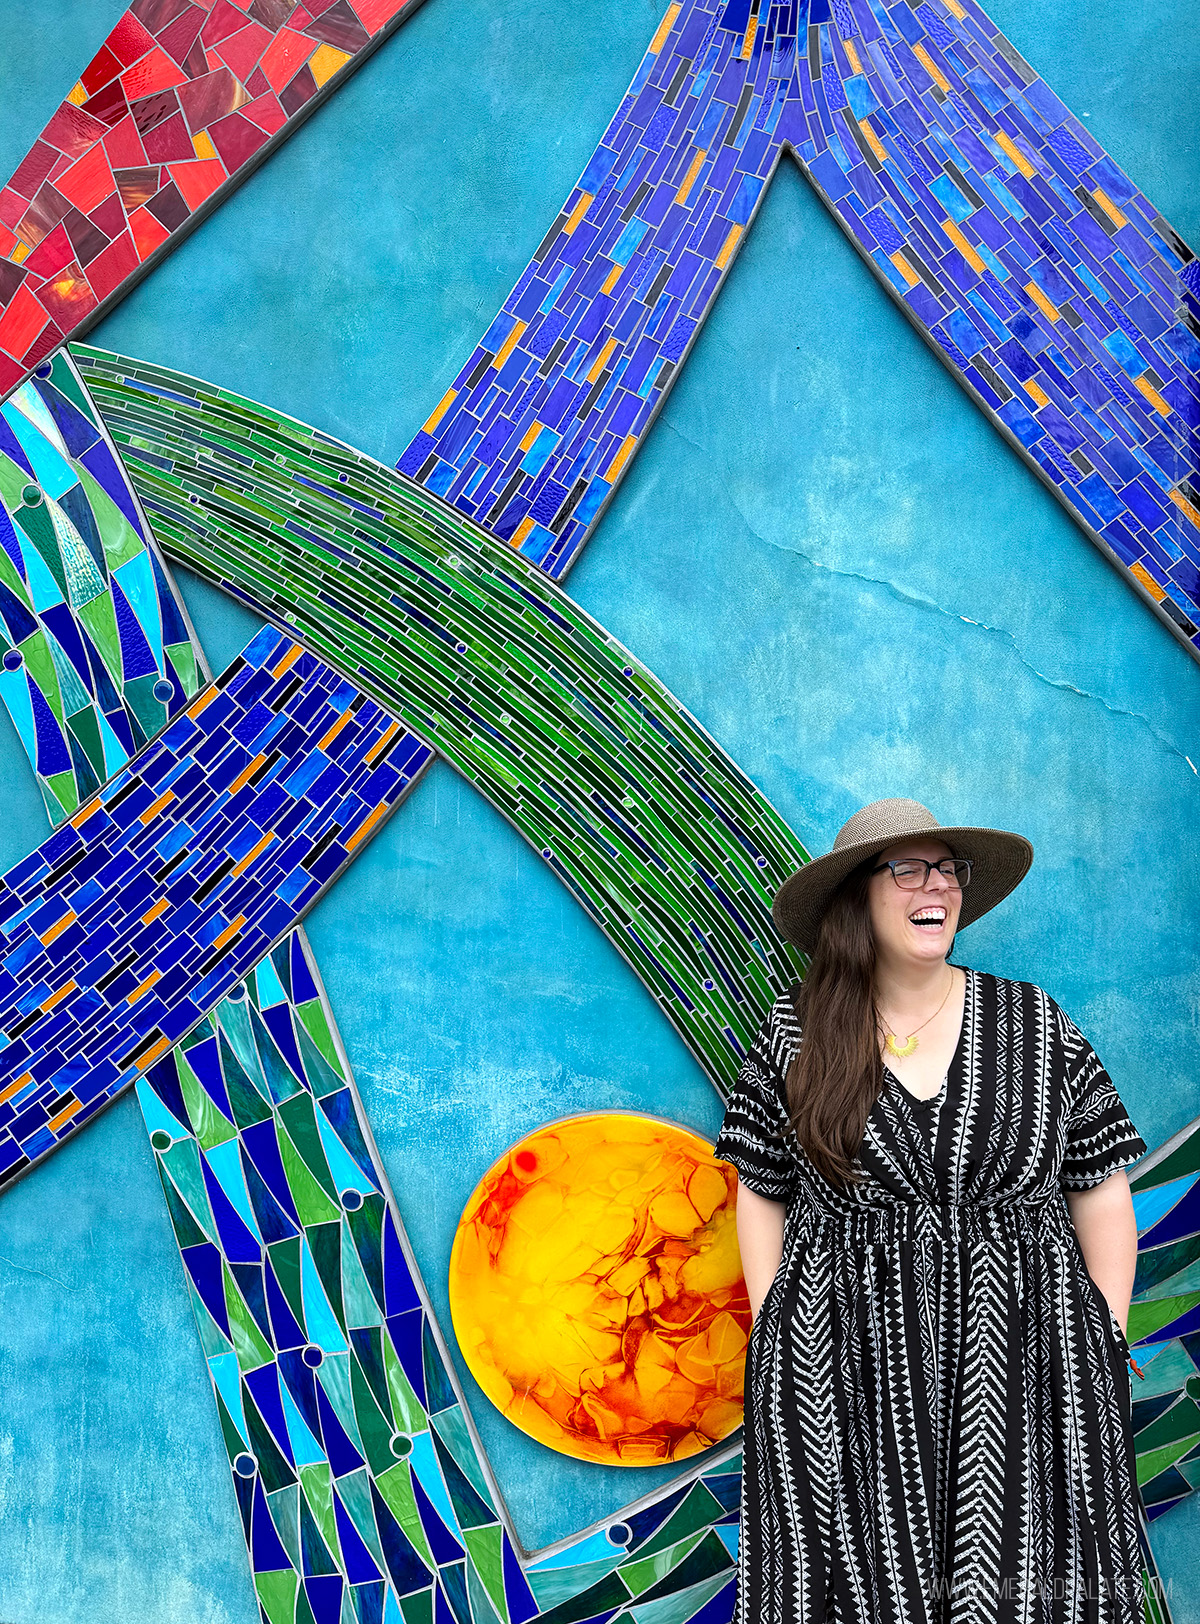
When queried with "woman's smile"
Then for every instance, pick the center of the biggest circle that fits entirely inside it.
(930, 921)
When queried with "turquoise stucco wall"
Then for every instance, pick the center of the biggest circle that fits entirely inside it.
(823, 549)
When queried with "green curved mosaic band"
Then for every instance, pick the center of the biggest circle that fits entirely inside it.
(667, 844)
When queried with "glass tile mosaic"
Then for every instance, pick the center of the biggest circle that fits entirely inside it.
(354, 1463)
(668, 846)
(95, 653)
(362, 1490)
(176, 108)
(1054, 291)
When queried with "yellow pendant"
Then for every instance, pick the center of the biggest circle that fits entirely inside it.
(893, 1045)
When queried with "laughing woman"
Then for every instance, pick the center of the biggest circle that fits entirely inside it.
(939, 1244)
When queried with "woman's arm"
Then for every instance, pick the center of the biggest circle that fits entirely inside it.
(760, 1241)
(1107, 1230)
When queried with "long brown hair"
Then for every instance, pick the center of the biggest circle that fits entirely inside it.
(835, 1077)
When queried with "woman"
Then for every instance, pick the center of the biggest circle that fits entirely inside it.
(939, 1245)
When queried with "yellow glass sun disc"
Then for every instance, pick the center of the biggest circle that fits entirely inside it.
(597, 1293)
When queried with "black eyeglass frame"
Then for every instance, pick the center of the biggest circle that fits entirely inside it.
(929, 867)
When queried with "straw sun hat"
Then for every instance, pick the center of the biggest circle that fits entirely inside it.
(1001, 861)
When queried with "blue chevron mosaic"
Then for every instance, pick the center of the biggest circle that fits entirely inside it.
(1058, 295)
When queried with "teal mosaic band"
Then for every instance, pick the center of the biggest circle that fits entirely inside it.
(661, 838)
(95, 650)
(358, 1475)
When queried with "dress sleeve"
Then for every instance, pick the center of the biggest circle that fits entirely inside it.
(754, 1133)
(1101, 1138)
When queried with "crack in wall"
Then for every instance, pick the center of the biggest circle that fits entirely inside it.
(25, 1269)
(920, 601)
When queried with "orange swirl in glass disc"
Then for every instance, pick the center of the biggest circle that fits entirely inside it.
(597, 1292)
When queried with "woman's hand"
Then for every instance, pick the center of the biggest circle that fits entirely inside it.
(1107, 1230)
(760, 1241)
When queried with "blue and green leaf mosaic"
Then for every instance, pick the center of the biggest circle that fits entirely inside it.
(357, 1471)
(94, 646)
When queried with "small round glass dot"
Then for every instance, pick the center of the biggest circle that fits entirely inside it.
(352, 1200)
(460, 648)
(245, 1464)
(620, 1534)
(546, 852)
(163, 691)
(761, 862)
(626, 670)
(708, 985)
(31, 496)
(160, 1139)
(312, 1356)
(13, 659)
(44, 370)
(401, 1445)
(343, 479)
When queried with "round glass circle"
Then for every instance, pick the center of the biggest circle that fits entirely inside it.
(646, 1216)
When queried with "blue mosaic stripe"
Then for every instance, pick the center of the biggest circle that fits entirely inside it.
(1055, 292)
(132, 920)
(540, 423)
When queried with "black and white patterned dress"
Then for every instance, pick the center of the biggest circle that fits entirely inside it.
(937, 1398)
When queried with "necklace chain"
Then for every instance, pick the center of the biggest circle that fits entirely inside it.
(908, 1045)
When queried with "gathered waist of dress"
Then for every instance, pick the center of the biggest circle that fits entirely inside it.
(882, 1224)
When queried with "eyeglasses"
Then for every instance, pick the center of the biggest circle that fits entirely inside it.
(912, 873)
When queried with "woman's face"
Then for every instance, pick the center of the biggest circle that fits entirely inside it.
(914, 927)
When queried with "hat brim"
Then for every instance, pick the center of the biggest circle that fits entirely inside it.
(1001, 861)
